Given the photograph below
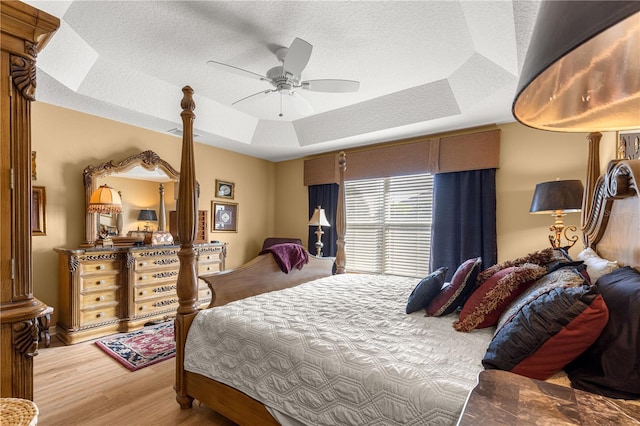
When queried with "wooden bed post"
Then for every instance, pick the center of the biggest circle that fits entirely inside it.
(187, 207)
(341, 221)
(593, 173)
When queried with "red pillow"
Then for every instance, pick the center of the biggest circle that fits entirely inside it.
(484, 306)
(548, 332)
(454, 294)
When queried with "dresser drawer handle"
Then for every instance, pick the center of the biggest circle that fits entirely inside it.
(100, 299)
(209, 268)
(209, 257)
(100, 282)
(144, 277)
(143, 292)
(142, 308)
(143, 263)
(208, 292)
(100, 315)
(100, 267)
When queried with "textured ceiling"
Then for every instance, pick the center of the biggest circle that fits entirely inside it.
(424, 67)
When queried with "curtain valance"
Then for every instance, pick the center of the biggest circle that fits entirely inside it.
(474, 151)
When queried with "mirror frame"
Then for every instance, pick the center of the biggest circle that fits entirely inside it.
(147, 159)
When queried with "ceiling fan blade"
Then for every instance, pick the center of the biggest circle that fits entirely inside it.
(299, 103)
(237, 71)
(331, 85)
(251, 96)
(297, 57)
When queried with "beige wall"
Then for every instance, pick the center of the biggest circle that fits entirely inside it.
(527, 157)
(67, 141)
(272, 200)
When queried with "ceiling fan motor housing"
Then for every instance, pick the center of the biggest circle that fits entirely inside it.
(281, 80)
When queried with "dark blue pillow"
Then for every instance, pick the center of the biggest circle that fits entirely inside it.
(426, 290)
(610, 366)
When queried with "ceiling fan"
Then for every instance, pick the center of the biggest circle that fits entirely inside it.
(287, 77)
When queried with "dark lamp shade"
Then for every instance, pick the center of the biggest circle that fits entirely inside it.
(147, 215)
(559, 195)
(582, 69)
(105, 200)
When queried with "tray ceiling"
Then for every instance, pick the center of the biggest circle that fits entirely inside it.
(424, 67)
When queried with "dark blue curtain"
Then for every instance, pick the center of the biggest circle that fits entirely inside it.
(325, 196)
(464, 219)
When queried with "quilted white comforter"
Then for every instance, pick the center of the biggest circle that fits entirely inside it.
(340, 351)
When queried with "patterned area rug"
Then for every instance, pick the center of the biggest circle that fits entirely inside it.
(141, 348)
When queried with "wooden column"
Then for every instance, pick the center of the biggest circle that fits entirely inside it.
(25, 31)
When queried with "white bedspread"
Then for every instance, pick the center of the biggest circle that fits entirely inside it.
(340, 351)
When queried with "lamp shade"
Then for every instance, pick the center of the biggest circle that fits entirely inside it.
(582, 69)
(105, 200)
(148, 215)
(318, 218)
(559, 195)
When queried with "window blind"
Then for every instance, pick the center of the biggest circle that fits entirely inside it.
(389, 225)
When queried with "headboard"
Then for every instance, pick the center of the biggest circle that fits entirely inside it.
(611, 225)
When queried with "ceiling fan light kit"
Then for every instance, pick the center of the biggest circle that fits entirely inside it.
(287, 77)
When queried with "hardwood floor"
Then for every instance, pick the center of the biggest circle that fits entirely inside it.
(81, 385)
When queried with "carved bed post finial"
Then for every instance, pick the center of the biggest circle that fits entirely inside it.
(593, 172)
(341, 222)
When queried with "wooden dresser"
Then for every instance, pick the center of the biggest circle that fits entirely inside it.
(25, 32)
(104, 291)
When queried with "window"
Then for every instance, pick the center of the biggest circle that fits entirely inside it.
(389, 225)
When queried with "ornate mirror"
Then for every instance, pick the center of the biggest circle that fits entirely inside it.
(143, 182)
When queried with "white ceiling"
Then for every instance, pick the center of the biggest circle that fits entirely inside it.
(424, 67)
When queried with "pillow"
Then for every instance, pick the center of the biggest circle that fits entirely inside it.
(611, 366)
(541, 257)
(484, 306)
(596, 266)
(454, 294)
(426, 290)
(560, 278)
(549, 332)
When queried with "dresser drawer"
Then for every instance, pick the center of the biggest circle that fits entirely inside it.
(98, 314)
(98, 298)
(155, 277)
(152, 307)
(99, 267)
(100, 281)
(147, 261)
(143, 293)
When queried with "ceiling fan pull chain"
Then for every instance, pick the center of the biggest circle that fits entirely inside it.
(280, 115)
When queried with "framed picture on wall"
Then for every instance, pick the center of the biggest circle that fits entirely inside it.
(628, 145)
(38, 211)
(224, 217)
(225, 189)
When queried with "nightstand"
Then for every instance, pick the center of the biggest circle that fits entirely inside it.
(503, 398)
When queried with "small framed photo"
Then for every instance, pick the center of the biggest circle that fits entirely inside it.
(224, 217)
(628, 145)
(225, 189)
(38, 211)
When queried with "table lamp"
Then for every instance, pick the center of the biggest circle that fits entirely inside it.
(147, 216)
(558, 198)
(319, 219)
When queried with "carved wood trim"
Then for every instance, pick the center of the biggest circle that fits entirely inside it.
(25, 337)
(620, 181)
(23, 75)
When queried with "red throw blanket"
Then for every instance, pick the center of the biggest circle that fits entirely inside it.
(288, 256)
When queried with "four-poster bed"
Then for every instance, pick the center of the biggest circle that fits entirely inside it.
(612, 228)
